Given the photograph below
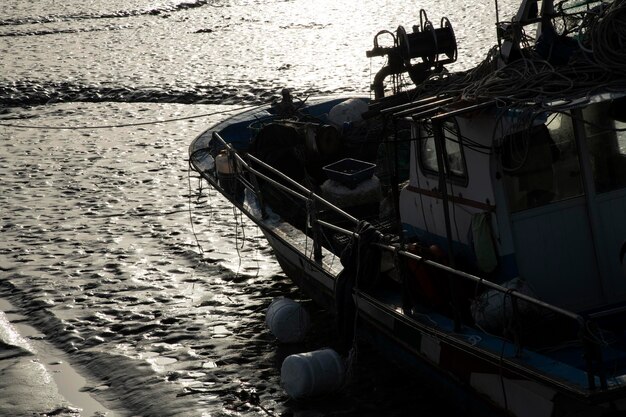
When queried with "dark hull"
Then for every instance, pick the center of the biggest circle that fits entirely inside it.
(482, 373)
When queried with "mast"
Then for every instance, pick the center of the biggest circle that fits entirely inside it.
(528, 13)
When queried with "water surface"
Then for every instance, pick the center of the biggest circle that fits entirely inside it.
(113, 249)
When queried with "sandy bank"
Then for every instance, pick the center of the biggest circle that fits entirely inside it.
(36, 378)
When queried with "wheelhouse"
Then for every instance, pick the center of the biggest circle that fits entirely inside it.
(519, 193)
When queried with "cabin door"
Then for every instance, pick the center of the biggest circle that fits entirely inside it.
(551, 222)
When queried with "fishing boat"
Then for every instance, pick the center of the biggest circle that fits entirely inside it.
(471, 224)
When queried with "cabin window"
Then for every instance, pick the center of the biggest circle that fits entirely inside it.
(540, 164)
(455, 159)
(606, 141)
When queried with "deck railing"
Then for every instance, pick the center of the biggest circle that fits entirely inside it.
(587, 335)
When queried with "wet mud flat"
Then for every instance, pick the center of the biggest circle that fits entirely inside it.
(36, 377)
(149, 284)
(160, 318)
(99, 255)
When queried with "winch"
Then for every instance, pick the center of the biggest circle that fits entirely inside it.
(435, 47)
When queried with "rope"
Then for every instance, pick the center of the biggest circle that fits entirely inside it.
(154, 122)
(354, 349)
(532, 81)
(189, 205)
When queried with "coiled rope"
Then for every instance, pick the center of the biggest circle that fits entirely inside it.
(532, 81)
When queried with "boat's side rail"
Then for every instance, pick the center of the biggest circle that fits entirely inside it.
(586, 329)
(306, 195)
(300, 191)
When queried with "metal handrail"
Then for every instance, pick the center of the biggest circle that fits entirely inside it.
(291, 181)
(311, 195)
(307, 195)
(462, 274)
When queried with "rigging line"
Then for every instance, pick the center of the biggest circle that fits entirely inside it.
(237, 240)
(190, 210)
(330, 247)
(234, 167)
(504, 343)
(354, 349)
(257, 252)
(448, 172)
(598, 126)
(154, 122)
(307, 224)
(208, 201)
(473, 145)
(240, 223)
(418, 157)
(456, 225)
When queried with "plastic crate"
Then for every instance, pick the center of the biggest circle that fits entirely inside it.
(349, 172)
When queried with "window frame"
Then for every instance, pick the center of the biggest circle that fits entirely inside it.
(456, 179)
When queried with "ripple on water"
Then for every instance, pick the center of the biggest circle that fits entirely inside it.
(97, 245)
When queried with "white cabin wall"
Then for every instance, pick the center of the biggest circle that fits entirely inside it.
(423, 211)
(484, 178)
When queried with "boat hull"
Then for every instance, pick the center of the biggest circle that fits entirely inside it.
(307, 275)
(481, 373)
(476, 382)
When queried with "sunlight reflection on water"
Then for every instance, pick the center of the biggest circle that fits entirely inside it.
(97, 243)
(228, 49)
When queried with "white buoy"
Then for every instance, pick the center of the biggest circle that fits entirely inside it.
(224, 164)
(311, 374)
(287, 320)
(493, 309)
(348, 111)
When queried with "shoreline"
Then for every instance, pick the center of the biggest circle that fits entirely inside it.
(36, 378)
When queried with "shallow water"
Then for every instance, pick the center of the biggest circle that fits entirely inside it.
(154, 285)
